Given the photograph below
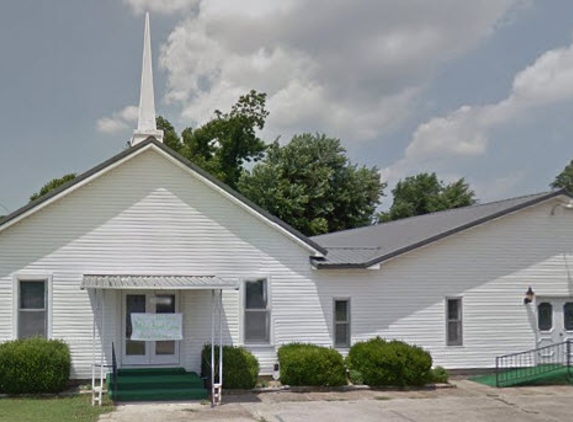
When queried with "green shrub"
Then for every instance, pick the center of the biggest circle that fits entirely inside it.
(355, 377)
(33, 366)
(394, 363)
(440, 375)
(240, 367)
(308, 364)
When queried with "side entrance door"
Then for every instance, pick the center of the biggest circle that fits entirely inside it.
(148, 352)
(554, 323)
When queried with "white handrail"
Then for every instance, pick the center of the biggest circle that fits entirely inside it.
(97, 390)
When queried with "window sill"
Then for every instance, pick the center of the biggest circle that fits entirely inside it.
(258, 345)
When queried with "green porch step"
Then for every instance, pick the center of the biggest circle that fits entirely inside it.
(161, 395)
(159, 381)
(154, 384)
(151, 371)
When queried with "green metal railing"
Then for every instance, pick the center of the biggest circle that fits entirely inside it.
(534, 365)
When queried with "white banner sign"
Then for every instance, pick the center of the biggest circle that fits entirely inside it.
(150, 327)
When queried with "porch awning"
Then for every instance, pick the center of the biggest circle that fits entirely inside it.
(156, 282)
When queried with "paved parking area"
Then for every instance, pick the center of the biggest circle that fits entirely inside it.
(468, 402)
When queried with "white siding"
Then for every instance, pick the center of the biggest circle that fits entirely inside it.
(149, 216)
(490, 267)
(146, 216)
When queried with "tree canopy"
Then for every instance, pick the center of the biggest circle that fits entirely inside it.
(222, 145)
(311, 184)
(170, 137)
(52, 184)
(564, 180)
(424, 193)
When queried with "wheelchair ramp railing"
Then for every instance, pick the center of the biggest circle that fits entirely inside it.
(534, 365)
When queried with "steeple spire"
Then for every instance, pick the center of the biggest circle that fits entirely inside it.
(146, 126)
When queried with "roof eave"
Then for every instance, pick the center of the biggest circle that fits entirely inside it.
(62, 190)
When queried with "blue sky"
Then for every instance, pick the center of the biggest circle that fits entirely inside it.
(482, 90)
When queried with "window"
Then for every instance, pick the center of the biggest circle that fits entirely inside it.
(341, 323)
(454, 322)
(32, 309)
(544, 316)
(257, 312)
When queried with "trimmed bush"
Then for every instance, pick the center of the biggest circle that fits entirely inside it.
(240, 367)
(392, 363)
(355, 377)
(34, 366)
(440, 375)
(308, 364)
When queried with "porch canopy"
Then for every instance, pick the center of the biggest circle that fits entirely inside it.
(102, 282)
(156, 282)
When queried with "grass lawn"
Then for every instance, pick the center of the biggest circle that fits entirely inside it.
(60, 409)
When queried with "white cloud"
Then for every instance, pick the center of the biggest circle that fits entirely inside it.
(120, 121)
(464, 132)
(498, 187)
(161, 6)
(350, 69)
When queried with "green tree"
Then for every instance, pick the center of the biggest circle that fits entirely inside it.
(423, 194)
(312, 185)
(223, 145)
(170, 137)
(564, 180)
(51, 185)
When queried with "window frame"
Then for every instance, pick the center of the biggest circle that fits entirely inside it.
(565, 303)
(551, 314)
(267, 310)
(48, 302)
(348, 321)
(459, 320)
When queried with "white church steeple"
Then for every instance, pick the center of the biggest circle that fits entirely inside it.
(146, 126)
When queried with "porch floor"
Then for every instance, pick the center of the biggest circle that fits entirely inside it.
(156, 384)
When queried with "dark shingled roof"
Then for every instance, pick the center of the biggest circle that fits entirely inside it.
(370, 245)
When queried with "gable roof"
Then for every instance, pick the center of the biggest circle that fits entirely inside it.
(367, 246)
(151, 142)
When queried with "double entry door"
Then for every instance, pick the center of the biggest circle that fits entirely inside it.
(137, 352)
(554, 322)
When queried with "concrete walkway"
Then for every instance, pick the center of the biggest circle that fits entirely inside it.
(467, 402)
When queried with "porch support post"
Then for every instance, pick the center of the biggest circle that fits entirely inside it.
(102, 345)
(94, 344)
(220, 309)
(102, 336)
(213, 347)
(216, 332)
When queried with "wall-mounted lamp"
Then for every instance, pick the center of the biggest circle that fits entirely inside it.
(529, 295)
